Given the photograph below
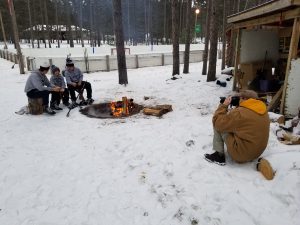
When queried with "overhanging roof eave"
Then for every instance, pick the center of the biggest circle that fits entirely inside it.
(268, 8)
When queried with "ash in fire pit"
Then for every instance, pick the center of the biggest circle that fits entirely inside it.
(116, 109)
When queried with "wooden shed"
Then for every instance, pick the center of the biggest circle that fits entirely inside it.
(266, 52)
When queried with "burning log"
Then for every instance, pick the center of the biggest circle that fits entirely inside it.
(158, 110)
(104, 110)
(122, 108)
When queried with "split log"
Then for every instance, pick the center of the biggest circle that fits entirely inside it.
(168, 108)
(158, 110)
(276, 118)
(35, 106)
(153, 112)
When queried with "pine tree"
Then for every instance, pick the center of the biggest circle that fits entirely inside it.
(47, 23)
(175, 36)
(211, 75)
(207, 36)
(187, 37)
(224, 33)
(118, 26)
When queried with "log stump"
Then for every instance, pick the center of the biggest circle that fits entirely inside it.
(35, 106)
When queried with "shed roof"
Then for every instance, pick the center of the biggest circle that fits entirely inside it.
(266, 9)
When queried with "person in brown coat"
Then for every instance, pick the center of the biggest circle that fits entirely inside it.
(244, 129)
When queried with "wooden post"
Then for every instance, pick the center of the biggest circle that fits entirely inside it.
(237, 58)
(275, 100)
(28, 63)
(50, 62)
(16, 35)
(162, 59)
(107, 63)
(136, 61)
(3, 31)
(292, 55)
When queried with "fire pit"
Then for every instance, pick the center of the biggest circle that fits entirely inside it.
(116, 109)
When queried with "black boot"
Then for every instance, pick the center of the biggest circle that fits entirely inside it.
(90, 101)
(55, 107)
(49, 110)
(216, 157)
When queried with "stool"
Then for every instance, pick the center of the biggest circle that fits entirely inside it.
(35, 106)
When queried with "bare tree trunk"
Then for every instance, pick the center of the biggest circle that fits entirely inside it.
(207, 36)
(165, 20)
(150, 22)
(187, 37)
(71, 39)
(94, 25)
(91, 24)
(128, 20)
(30, 23)
(42, 20)
(238, 5)
(98, 38)
(224, 33)
(175, 36)
(118, 25)
(146, 22)
(16, 37)
(36, 27)
(180, 16)
(80, 24)
(135, 41)
(47, 24)
(3, 31)
(57, 25)
(211, 75)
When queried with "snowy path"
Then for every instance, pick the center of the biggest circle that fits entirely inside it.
(139, 170)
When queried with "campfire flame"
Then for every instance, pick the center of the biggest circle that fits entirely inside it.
(121, 108)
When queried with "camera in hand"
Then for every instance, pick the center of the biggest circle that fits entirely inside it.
(235, 100)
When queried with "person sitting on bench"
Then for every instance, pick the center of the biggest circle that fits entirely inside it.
(38, 86)
(58, 80)
(74, 80)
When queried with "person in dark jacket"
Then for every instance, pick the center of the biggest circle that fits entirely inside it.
(58, 80)
(244, 129)
(38, 86)
(74, 80)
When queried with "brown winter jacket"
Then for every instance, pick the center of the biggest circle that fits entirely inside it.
(247, 127)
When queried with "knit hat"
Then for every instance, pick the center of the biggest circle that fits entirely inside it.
(45, 65)
(54, 69)
(248, 94)
(69, 62)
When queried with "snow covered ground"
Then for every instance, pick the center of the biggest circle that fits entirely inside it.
(56, 170)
